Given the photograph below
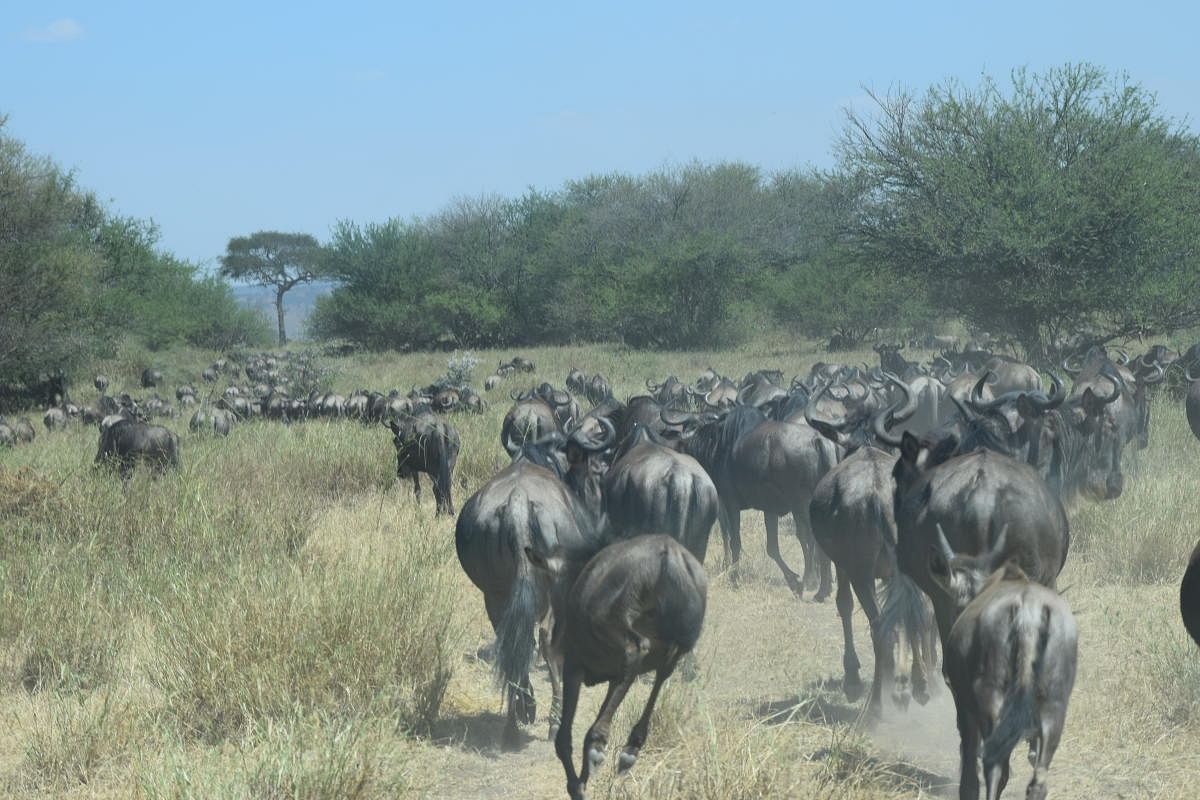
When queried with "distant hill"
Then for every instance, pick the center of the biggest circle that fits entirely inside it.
(297, 303)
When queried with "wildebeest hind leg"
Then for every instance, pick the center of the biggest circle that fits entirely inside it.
(596, 740)
(637, 736)
(851, 681)
(792, 579)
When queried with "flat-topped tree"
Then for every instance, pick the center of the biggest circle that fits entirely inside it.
(272, 258)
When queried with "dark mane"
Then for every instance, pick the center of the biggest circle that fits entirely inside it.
(718, 437)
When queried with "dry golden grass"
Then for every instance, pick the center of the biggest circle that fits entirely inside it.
(280, 620)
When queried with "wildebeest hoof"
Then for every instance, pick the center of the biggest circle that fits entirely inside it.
(921, 695)
(625, 762)
(595, 757)
(852, 686)
(821, 596)
(553, 731)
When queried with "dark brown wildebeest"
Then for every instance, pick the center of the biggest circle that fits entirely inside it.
(21, 429)
(8, 437)
(101, 383)
(1189, 596)
(671, 393)
(598, 389)
(620, 611)
(651, 488)
(576, 380)
(151, 378)
(426, 444)
(126, 441)
(491, 382)
(854, 523)
(973, 496)
(1010, 661)
(531, 419)
(522, 364)
(764, 464)
(549, 495)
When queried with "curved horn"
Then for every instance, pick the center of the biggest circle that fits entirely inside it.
(866, 390)
(1122, 356)
(1187, 373)
(943, 545)
(596, 445)
(512, 447)
(1160, 373)
(1117, 384)
(976, 395)
(898, 412)
(671, 417)
(1067, 368)
(1056, 398)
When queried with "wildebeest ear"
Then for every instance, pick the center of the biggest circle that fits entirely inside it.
(910, 447)
(942, 451)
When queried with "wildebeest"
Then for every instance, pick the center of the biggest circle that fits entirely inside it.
(215, 420)
(764, 464)
(8, 437)
(597, 389)
(20, 429)
(151, 378)
(854, 523)
(547, 496)
(491, 382)
(426, 444)
(126, 441)
(973, 496)
(1189, 596)
(55, 419)
(101, 383)
(576, 380)
(1191, 403)
(671, 393)
(651, 488)
(633, 607)
(530, 419)
(1010, 661)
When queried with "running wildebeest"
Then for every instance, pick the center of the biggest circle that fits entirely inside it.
(651, 488)
(854, 524)
(126, 441)
(761, 463)
(632, 607)
(973, 496)
(426, 444)
(549, 495)
(1189, 596)
(1010, 661)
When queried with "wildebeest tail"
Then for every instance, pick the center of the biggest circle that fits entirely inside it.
(679, 606)
(1028, 632)
(514, 633)
(904, 606)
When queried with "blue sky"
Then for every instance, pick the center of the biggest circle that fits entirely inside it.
(218, 119)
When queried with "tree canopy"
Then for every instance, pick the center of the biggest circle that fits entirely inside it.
(1063, 202)
(272, 258)
(75, 278)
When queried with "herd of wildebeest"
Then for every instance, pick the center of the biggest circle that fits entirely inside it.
(935, 492)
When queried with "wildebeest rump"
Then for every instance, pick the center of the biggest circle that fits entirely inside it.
(1010, 660)
(127, 441)
(651, 488)
(1189, 596)
(636, 606)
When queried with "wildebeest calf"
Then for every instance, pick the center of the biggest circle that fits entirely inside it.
(126, 441)
(635, 606)
(1010, 661)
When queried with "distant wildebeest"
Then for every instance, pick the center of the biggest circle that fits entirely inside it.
(576, 380)
(1010, 660)
(491, 382)
(126, 441)
(101, 383)
(8, 437)
(20, 428)
(426, 444)
(55, 419)
(633, 607)
(530, 419)
(549, 495)
(651, 488)
(671, 393)
(973, 496)
(212, 420)
(1189, 596)
(597, 389)
(151, 378)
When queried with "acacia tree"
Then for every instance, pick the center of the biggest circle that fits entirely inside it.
(1066, 203)
(274, 259)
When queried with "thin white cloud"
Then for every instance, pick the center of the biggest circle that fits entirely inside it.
(58, 31)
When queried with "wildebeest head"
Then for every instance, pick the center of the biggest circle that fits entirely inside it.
(962, 577)
(576, 459)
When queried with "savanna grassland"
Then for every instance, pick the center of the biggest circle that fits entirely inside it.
(280, 619)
